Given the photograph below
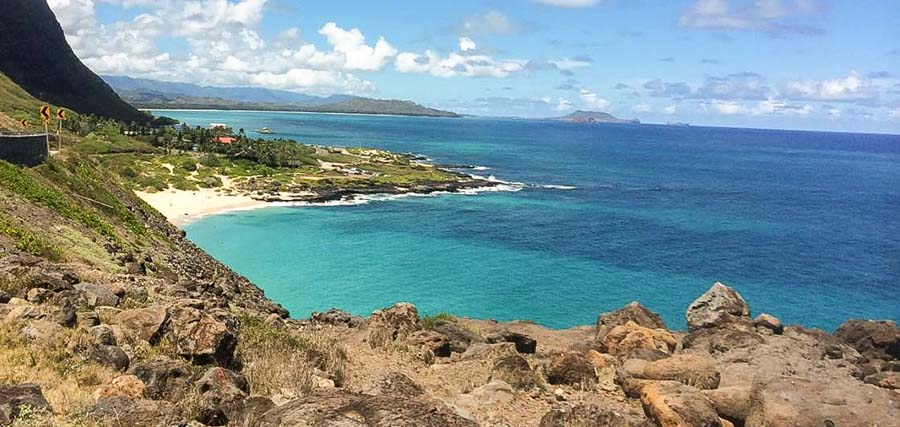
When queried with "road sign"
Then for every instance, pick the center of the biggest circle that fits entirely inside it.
(61, 114)
(45, 113)
(24, 123)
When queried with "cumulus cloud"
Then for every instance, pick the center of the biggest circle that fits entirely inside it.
(465, 62)
(488, 23)
(776, 17)
(593, 101)
(670, 109)
(744, 85)
(352, 43)
(659, 88)
(466, 44)
(765, 107)
(850, 88)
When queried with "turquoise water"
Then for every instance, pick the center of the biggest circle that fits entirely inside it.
(805, 225)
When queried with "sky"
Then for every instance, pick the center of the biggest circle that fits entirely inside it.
(786, 64)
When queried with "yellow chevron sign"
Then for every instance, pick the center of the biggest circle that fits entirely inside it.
(45, 113)
(61, 114)
(24, 123)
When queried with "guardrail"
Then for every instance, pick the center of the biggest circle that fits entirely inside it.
(24, 150)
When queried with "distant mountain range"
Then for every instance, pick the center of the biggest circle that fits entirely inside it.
(153, 94)
(582, 116)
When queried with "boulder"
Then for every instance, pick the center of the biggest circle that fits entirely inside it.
(622, 340)
(768, 321)
(388, 325)
(38, 295)
(203, 337)
(336, 317)
(524, 343)
(4, 296)
(722, 340)
(886, 379)
(872, 338)
(143, 323)
(592, 416)
(732, 403)
(106, 355)
(602, 360)
(64, 314)
(495, 392)
(88, 319)
(571, 369)
(633, 312)
(432, 341)
(396, 384)
(460, 338)
(14, 397)
(719, 306)
(515, 371)
(95, 295)
(689, 369)
(42, 330)
(165, 379)
(673, 404)
(221, 391)
(53, 281)
(103, 335)
(793, 401)
(128, 386)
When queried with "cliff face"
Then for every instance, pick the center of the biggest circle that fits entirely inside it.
(34, 54)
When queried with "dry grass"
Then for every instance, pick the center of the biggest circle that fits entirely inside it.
(283, 361)
(66, 379)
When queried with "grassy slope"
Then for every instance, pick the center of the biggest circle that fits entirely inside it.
(15, 105)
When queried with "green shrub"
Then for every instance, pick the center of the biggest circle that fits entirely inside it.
(427, 322)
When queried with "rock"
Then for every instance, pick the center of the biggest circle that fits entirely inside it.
(515, 371)
(388, 325)
(121, 411)
(107, 355)
(143, 323)
(722, 340)
(673, 404)
(649, 354)
(633, 312)
(524, 343)
(593, 416)
(340, 408)
(246, 411)
(719, 306)
(489, 351)
(220, 390)
(38, 295)
(128, 386)
(690, 369)
(203, 337)
(432, 341)
(336, 317)
(792, 401)
(103, 335)
(165, 379)
(496, 392)
(64, 314)
(887, 379)
(4, 296)
(53, 281)
(601, 360)
(42, 330)
(22, 311)
(571, 369)
(397, 384)
(96, 295)
(88, 319)
(15, 397)
(769, 322)
(460, 338)
(732, 403)
(871, 338)
(621, 341)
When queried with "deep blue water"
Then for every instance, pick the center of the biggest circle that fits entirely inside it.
(805, 225)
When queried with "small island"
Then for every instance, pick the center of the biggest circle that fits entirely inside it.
(582, 116)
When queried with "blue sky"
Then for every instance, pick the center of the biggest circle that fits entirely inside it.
(798, 64)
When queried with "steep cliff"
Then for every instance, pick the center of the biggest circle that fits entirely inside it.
(34, 54)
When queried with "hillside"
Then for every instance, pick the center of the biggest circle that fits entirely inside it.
(151, 94)
(34, 53)
(582, 116)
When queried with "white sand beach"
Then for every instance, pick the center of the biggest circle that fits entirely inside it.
(181, 207)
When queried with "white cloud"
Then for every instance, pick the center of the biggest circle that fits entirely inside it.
(835, 113)
(489, 23)
(569, 3)
(593, 101)
(462, 63)
(850, 88)
(766, 107)
(642, 108)
(352, 44)
(466, 44)
(671, 109)
(771, 16)
(560, 104)
(571, 63)
(894, 114)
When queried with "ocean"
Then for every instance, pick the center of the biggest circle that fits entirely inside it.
(805, 225)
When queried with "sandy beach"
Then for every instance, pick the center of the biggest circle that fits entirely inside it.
(182, 207)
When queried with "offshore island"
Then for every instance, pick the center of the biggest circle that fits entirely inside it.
(110, 316)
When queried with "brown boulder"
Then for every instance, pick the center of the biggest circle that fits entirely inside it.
(515, 371)
(719, 306)
(732, 403)
(203, 337)
(13, 398)
(396, 384)
(434, 342)
(722, 340)
(389, 325)
(571, 369)
(768, 321)
(143, 323)
(793, 401)
(165, 379)
(887, 379)
(621, 341)
(673, 404)
(96, 295)
(122, 411)
(128, 386)
(690, 369)
(873, 339)
(633, 312)
(524, 343)
(221, 390)
(460, 338)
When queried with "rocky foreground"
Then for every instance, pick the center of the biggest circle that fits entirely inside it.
(134, 349)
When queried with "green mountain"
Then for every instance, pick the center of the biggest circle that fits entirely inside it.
(582, 116)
